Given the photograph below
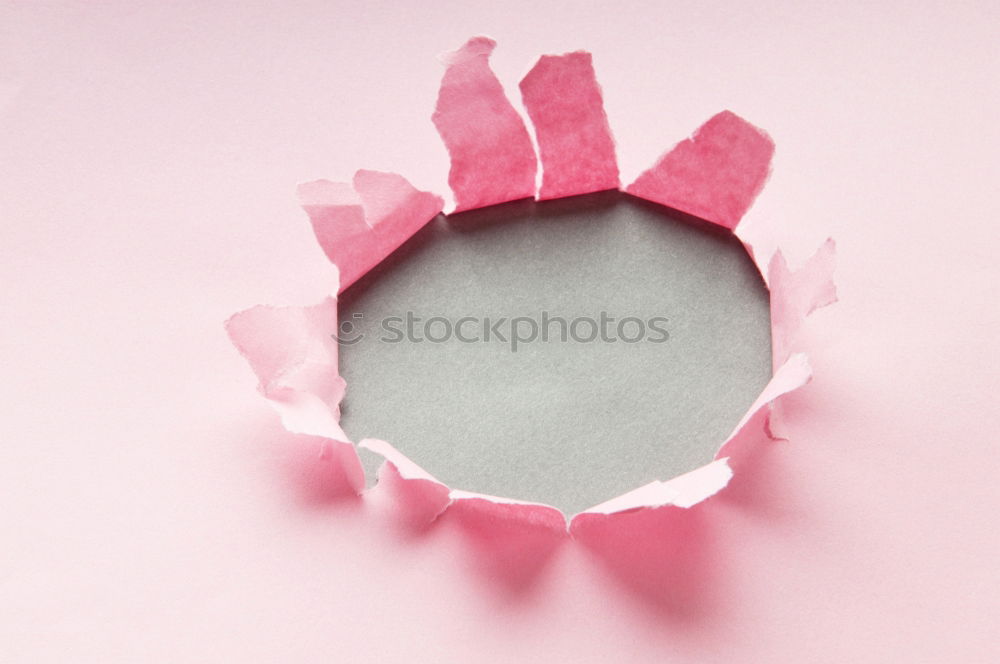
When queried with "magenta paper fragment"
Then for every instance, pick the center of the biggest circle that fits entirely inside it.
(564, 102)
(795, 295)
(359, 224)
(715, 175)
(492, 158)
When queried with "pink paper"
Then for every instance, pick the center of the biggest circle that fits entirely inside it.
(148, 514)
(359, 224)
(755, 425)
(690, 489)
(511, 544)
(682, 491)
(425, 498)
(795, 295)
(417, 496)
(492, 158)
(576, 148)
(715, 175)
(324, 471)
(295, 360)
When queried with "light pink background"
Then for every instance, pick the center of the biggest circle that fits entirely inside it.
(150, 510)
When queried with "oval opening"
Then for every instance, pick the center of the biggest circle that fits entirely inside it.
(657, 341)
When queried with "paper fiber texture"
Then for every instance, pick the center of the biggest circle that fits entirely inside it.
(576, 148)
(492, 158)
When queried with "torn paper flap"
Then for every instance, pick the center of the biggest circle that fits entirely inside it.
(492, 157)
(715, 174)
(755, 424)
(682, 491)
(359, 224)
(407, 479)
(419, 497)
(797, 294)
(564, 103)
(294, 357)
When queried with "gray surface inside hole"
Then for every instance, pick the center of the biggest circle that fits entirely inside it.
(569, 424)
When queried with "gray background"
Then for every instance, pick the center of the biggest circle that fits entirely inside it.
(569, 424)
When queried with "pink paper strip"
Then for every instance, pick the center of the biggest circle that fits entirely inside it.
(576, 148)
(715, 175)
(492, 158)
(359, 224)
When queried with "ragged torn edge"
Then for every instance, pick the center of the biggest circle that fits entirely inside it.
(715, 175)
